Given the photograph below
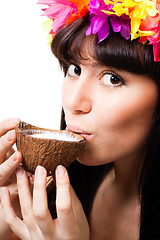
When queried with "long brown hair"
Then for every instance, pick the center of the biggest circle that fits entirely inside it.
(134, 57)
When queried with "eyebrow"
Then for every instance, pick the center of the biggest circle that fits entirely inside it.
(91, 63)
(95, 64)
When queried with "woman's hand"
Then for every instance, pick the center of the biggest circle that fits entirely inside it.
(9, 160)
(37, 223)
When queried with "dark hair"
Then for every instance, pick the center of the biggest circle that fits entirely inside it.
(134, 57)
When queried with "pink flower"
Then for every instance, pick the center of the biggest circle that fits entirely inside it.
(59, 11)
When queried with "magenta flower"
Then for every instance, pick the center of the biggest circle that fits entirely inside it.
(100, 21)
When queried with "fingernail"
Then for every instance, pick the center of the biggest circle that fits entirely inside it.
(14, 157)
(20, 172)
(39, 172)
(9, 136)
(61, 172)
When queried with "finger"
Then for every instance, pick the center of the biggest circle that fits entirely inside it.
(40, 204)
(10, 152)
(6, 142)
(64, 208)
(13, 190)
(16, 225)
(8, 124)
(25, 199)
(78, 211)
(24, 195)
(9, 166)
(77, 206)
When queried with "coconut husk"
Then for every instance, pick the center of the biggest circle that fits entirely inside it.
(45, 152)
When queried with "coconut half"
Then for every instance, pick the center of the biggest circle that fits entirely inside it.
(46, 147)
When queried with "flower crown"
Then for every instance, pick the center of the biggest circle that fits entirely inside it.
(132, 18)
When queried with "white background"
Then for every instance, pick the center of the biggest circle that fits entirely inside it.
(30, 77)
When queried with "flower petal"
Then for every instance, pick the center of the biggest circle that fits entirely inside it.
(103, 32)
(115, 23)
(125, 28)
(88, 31)
(96, 23)
(156, 51)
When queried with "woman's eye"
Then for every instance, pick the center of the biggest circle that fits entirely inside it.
(111, 80)
(74, 71)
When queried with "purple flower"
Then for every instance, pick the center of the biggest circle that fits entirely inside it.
(99, 21)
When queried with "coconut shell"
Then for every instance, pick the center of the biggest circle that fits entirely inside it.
(48, 153)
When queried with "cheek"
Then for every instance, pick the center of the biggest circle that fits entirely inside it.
(125, 125)
(134, 113)
(134, 106)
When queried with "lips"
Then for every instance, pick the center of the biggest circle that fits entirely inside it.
(79, 131)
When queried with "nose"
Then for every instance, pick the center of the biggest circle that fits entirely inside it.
(80, 99)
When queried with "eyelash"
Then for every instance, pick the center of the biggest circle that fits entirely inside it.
(112, 75)
(100, 78)
(76, 67)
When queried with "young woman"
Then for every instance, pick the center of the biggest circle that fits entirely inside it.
(110, 95)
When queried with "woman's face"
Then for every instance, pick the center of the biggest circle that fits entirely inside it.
(112, 109)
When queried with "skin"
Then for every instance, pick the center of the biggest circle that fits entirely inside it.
(30, 218)
(9, 160)
(115, 117)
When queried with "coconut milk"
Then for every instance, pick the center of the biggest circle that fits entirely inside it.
(56, 136)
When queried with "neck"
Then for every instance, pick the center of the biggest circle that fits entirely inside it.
(127, 173)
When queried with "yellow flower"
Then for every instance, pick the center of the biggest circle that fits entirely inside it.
(136, 10)
(133, 8)
(47, 25)
(135, 32)
(120, 9)
(144, 8)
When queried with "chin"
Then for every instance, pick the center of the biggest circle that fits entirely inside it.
(90, 161)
